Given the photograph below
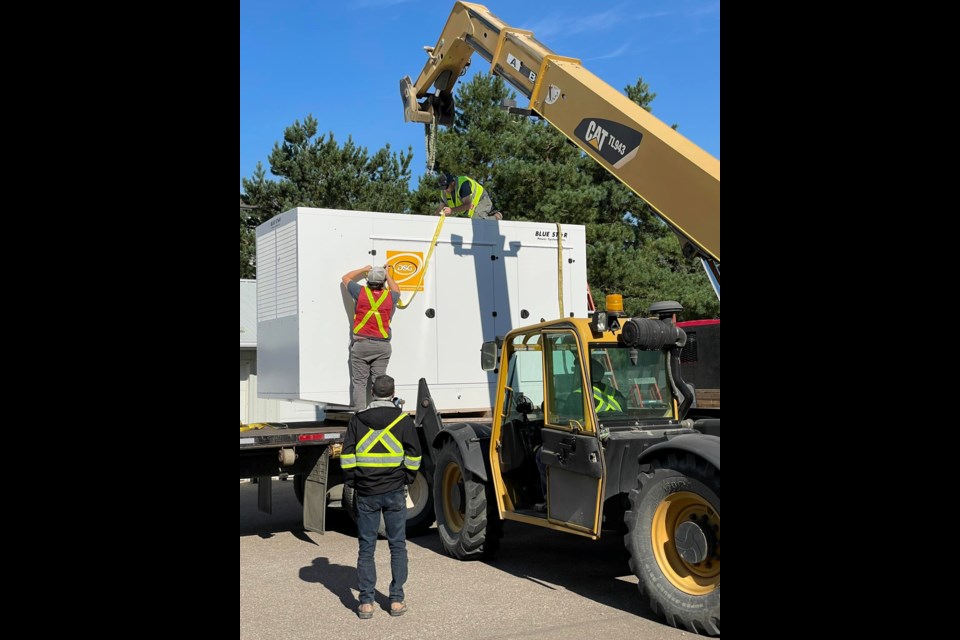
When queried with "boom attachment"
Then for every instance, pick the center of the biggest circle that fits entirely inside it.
(678, 179)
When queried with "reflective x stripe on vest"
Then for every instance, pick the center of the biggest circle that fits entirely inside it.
(373, 311)
(453, 200)
(392, 457)
(605, 401)
(387, 439)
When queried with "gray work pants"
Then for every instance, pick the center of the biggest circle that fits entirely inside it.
(484, 208)
(368, 360)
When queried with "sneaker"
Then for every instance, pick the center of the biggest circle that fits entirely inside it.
(398, 608)
(365, 611)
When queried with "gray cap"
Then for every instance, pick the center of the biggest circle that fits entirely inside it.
(383, 387)
(377, 275)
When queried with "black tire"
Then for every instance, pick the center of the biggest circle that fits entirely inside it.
(348, 503)
(419, 506)
(299, 484)
(467, 519)
(420, 516)
(681, 489)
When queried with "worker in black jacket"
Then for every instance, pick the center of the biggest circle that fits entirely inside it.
(381, 455)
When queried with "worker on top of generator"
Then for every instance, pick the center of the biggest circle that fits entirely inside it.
(460, 194)
(370, 347)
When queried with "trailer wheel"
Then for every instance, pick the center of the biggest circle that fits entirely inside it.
(419, 505)
(299, 484)
(674, 541)
(469, 529)
(420, 515)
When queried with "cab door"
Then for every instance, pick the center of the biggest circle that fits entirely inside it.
(571, 449)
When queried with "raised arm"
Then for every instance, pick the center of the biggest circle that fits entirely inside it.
(467, 201)
(356, 273)
(394, 287)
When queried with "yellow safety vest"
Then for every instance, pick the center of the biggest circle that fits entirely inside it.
(453, 200)
(604, 401)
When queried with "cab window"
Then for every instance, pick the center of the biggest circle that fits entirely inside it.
(565, 401)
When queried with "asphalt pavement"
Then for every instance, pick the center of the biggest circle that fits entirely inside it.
(297, 585)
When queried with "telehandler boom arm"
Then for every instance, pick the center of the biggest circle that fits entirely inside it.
(677, 178)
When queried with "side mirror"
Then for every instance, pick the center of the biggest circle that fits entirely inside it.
(488, 355)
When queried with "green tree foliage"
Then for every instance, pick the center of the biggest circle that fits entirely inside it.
(318, 172)
(640, 93)
(248, 243)
(534, 173)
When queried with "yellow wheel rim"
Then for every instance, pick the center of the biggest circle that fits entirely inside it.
(453, 497)
(695, 579)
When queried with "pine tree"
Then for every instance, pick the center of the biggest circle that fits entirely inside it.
(319, 172)
(534, 173)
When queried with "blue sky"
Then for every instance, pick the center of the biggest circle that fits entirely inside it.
(342, 62)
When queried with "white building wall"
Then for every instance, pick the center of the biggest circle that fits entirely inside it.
(254, 409)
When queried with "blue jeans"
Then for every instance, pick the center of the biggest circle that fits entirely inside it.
(394, 508)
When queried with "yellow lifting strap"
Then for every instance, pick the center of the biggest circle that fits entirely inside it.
(403, 305)
(560, 268)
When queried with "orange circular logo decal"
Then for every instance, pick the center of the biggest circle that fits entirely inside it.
(406, 266)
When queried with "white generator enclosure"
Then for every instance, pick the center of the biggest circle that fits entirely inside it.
(485, 278)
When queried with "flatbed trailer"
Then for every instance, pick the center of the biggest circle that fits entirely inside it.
(310, 452)
(302, 450)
